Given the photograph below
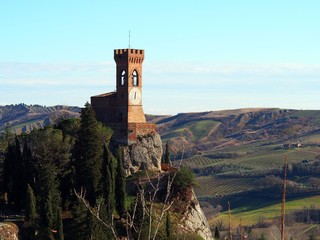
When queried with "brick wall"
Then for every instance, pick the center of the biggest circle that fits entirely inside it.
(139, 129)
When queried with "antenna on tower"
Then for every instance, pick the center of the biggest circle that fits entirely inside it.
(129, 39)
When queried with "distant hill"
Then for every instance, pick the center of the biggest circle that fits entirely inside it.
(206, 131)
(198, 133)
(24, 118)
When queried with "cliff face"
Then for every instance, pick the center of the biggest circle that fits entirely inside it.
(146, 154)
(195, 221)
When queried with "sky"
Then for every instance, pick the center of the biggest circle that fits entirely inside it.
(199, 55)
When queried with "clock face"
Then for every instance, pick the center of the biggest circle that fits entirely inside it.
(135, 96)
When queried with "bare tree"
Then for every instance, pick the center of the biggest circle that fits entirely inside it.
(147, 195)
(96, 212)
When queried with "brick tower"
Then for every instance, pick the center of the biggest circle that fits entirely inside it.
(122, 110)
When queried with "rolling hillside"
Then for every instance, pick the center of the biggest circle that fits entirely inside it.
(238, 156)
(208, 132)
(24, 118)
(235, 153)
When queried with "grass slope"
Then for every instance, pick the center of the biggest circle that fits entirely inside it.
(249, 210)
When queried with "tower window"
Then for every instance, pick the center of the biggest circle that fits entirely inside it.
(123, 77)
(135, 78)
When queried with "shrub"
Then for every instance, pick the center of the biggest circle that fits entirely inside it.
(185, 178)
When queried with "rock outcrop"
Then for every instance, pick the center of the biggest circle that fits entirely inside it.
(146, 153)
(195, 221)
(8, 231)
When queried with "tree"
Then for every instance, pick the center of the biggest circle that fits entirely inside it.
(19, 186)
(30, 209)
(14, 174)
(85, 223)
(8, 171)
(59, 226)
(89, 150)
(144, 219)
(50, 155)
(166, 158)
(120, 190)
(108, 182)
(46, 215)
(184, 178)
(31, 214)
(29, 170)
(78, 225)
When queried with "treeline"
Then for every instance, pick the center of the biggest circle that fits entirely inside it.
(43, 170)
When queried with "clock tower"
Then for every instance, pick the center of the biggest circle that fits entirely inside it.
(129, 82)
(122, 110)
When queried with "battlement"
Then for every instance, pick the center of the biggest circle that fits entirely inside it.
(121, 56)
(128, 51)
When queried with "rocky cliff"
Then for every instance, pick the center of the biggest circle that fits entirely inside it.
(195, 221)
(146, 153)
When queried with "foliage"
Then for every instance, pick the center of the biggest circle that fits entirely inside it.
(166, 157)
(184, 178)
(79, 224)
(59, 226)
(30, 209)
(88, 154)
(109, 179)
(30, 213)
(120, 189)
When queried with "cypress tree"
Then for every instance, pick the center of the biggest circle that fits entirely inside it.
(8, 172)
(13, 174)
(47, 220)
(31, 214)
(20, 185)
(139, 220)
(79, 230)
(108, 182)
(120, 185)
(30, 209)
(89, 154)
(167, 154)
(59, 226)
(28, 165)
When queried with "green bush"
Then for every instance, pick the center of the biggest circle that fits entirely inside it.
(184, 178)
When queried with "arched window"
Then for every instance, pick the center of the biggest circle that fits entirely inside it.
(123, 77)
(135, 78)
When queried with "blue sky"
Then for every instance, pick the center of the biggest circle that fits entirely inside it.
(200, 55)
